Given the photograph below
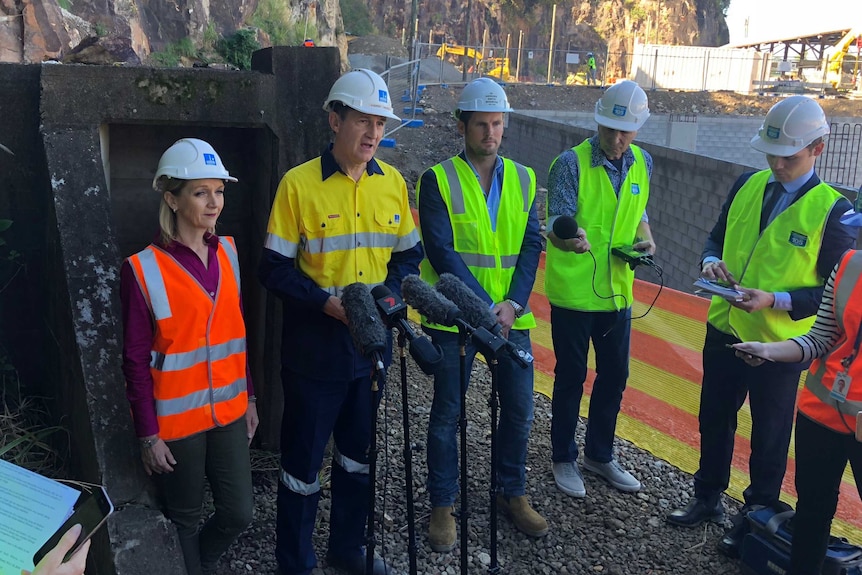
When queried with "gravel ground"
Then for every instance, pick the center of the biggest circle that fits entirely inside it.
(607, 532)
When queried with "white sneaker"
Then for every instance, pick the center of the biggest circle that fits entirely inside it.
(568, 478)
(614, 474)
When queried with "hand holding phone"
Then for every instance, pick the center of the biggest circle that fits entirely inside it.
(90, 512)
(748, 353)
(53, 563)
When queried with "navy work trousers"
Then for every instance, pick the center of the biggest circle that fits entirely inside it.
(314, 410)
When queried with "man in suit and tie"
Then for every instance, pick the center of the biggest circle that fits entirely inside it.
(777, 239)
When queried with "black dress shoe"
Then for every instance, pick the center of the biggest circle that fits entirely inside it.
(696, 512)
(355, 564)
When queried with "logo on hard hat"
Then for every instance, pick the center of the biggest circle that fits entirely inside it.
(383, 96)
(210, 160)
(619, 110)
(772, 132)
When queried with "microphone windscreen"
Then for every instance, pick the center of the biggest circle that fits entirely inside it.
(363, 321)
(428, 302)
(426, 355)
(474, 310)
(565, 227)
(380, 292)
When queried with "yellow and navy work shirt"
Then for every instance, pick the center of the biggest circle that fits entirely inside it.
(327, 231)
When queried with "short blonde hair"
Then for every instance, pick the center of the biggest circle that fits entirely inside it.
(167, 217)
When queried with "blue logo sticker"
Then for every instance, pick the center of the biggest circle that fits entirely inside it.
(619, 110)
(383, 96)
(397, 218)
(772, 132)
(210, 160)
(635, 189)
(798, 240)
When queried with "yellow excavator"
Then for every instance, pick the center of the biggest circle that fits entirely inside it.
(494, 67)
(833, 57)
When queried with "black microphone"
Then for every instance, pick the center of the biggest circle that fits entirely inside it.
(393, 311)
(476, 312)
(430, 303)
(364, 323)
(565, 227)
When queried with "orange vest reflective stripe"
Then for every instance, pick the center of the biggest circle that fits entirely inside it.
(815, 400)
(198, 359)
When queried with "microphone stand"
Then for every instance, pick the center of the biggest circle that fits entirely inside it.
(493, 401)
(408, 455)
(464, 512)
(378, 374)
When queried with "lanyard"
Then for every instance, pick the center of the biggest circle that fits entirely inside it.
(845, 363)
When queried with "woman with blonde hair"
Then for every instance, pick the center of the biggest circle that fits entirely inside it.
(184, 357)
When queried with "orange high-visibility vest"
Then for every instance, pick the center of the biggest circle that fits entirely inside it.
(816, 400)
(199, 351)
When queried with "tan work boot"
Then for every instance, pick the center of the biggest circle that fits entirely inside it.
(523, 516)
(441, 532)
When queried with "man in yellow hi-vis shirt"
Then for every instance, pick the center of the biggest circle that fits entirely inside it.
(340, 218)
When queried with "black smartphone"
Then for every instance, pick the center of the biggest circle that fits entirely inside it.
(730, 346)
(91, 510)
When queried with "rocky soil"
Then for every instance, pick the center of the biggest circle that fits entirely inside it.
(607, 532)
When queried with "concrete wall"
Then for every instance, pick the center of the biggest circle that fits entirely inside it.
(87, 141)
(686, 194)
(724, 138)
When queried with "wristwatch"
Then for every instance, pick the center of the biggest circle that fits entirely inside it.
(149, 442)
(519, 309)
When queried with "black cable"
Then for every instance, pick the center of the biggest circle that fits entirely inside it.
(612, 296)
(660, 274)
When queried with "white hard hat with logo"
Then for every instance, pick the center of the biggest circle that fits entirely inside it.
(364, 91)
(623, 107)
(789, 126)
(191, 159)
(482, 95)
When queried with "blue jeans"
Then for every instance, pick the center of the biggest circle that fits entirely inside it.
(571, 332)
(515, 390)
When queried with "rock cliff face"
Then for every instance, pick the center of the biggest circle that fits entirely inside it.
(35, 30)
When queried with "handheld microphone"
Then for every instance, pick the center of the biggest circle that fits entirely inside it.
(565, 227)
(393, 311)
(476, 312)
(364, 323)
(429, 302)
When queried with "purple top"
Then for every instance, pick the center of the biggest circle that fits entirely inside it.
(139, 330)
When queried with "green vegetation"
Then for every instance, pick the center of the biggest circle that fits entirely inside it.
(170, 56)
(237, 49)
(356, 17)
(273, 17)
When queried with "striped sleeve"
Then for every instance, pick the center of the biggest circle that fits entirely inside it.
(825, 333)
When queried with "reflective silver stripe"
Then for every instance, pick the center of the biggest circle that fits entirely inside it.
(350, 242)
(844, 288)
(155, 285)
(456, 192)
(347, 464)
(299, 487)
(376, 240)
(404, 243)
(200, 398)
(184, 360)
(281, 246)
(478, 260)
(234, 260)
(509, 261)
(524, 178)
(338, 290)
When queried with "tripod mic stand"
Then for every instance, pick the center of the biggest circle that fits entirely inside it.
(494, 403)
(408, 455)
(377, 375)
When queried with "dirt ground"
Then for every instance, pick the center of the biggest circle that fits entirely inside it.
(419, 148)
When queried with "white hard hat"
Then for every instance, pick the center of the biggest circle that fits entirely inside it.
(482, 95)
(191, 159)
(623, 107)
(364, 91)
(789, 126)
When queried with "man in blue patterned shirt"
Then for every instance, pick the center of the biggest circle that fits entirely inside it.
(604, 183)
